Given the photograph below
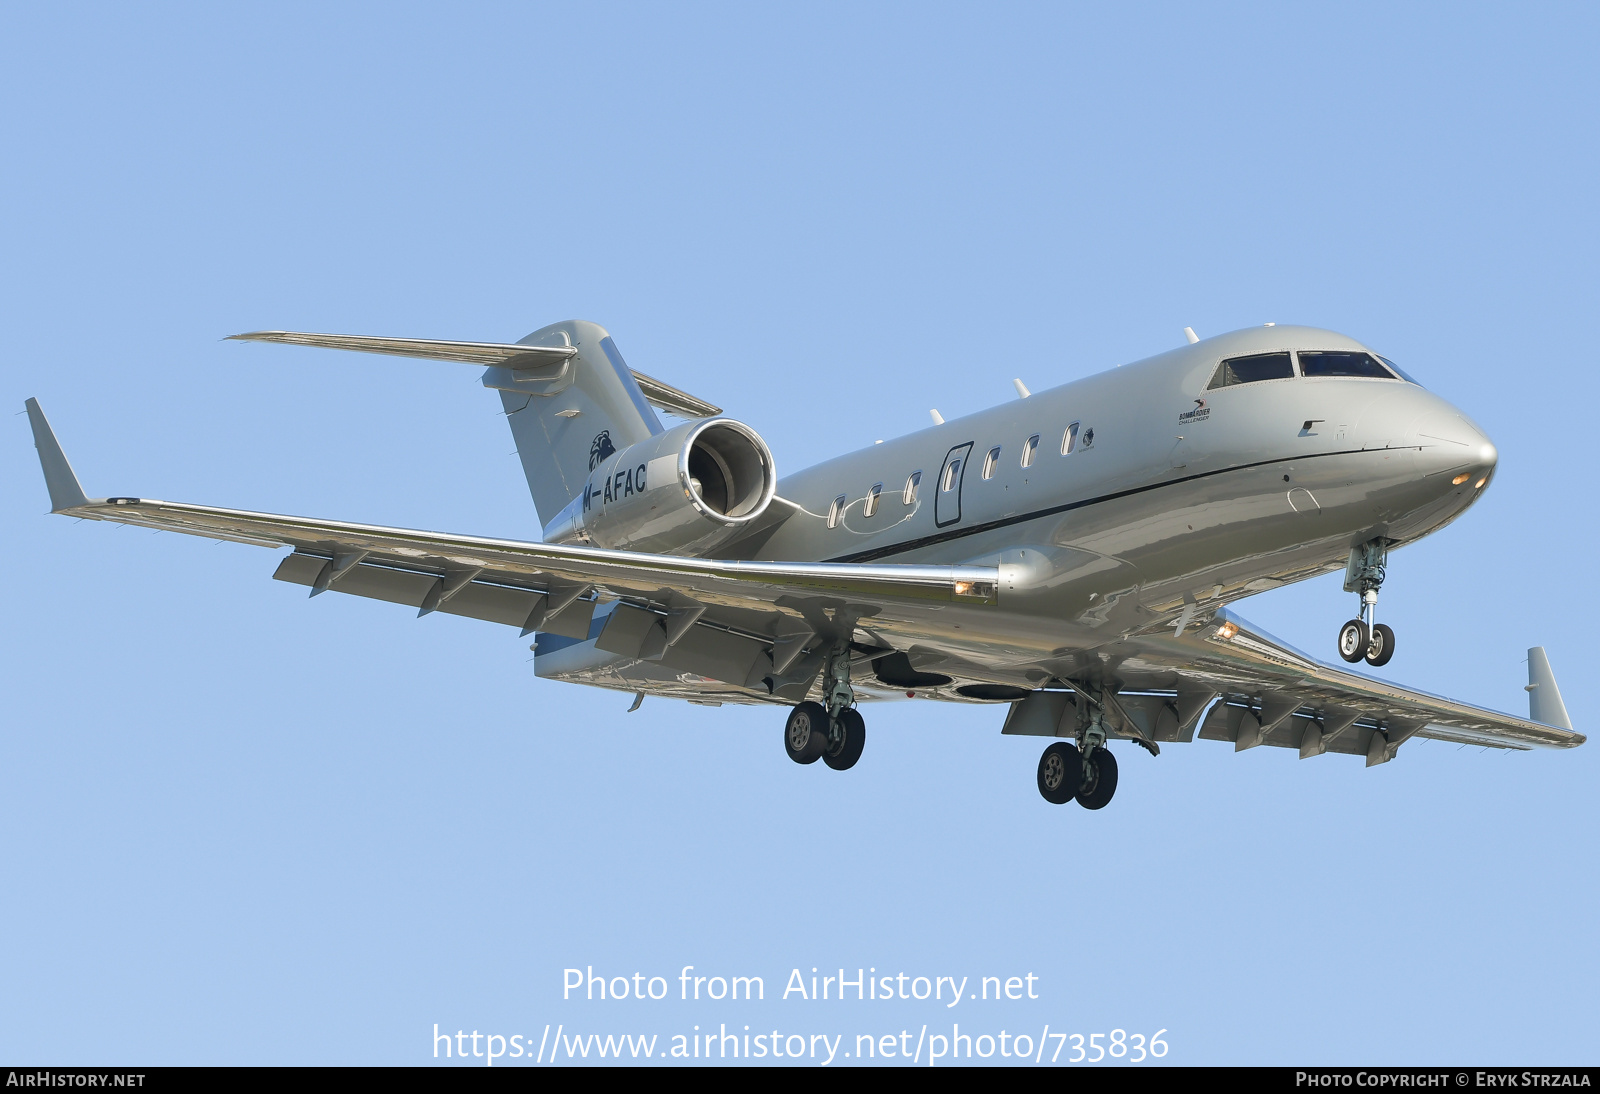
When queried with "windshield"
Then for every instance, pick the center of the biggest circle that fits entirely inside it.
(1250, 370)
(1398, 371)
(1342, 363)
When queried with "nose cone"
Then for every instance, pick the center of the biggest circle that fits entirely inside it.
(1488, 454)
(1452, 444)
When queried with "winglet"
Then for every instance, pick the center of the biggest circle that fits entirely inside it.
(65, 493)
(1544, 698)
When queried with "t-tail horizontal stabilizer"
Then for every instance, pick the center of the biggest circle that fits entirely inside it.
(65, 493)
(513, 356)
(1544, 698)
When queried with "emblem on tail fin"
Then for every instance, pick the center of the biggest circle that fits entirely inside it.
(601, 448)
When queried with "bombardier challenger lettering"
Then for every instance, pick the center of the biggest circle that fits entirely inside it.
(1005, 557)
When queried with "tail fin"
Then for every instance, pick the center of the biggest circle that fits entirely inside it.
(1544, 698)
(569, 416)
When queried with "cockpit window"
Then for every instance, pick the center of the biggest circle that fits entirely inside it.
(1340, 363)
(1248, 370)
(1397, 370)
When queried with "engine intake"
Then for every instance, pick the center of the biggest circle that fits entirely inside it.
(686, 491)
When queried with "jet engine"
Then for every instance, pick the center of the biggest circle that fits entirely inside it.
(686, 491)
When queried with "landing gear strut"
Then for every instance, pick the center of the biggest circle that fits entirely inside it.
(1364, 636)
(835, 733)
(1086, 771)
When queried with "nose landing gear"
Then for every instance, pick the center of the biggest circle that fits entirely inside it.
(1364, 637)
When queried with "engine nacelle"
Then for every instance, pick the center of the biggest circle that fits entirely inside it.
(684, 492)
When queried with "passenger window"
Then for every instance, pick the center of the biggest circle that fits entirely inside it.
(1250, 370)
(1342, 364)
(1029, 450)
(952, 473)
(871, 506)
(1069, 439)
(913, 484)
(989, 462)
(836, 514)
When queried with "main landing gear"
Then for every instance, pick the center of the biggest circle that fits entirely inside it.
(1364, 637)
(835, 733)
(1086, 771)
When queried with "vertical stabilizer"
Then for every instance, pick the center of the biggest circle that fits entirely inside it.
(1544, 698)
(569, 416)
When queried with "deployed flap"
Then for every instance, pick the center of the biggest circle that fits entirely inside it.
(1288, 687)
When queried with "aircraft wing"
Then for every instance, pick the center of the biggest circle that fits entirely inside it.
(765, 623)
(1274, 694)
(765, 615)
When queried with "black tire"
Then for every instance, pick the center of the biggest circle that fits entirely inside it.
(854, 732)
(1381, 648)
(1060, 773)
(1353, 641)
(805, 734)
(1097, 794)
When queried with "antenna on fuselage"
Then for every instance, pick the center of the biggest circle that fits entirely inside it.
(1022, 389)
(1188, 332)
(938, 419)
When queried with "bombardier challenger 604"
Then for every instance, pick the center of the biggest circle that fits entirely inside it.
(1071, 553)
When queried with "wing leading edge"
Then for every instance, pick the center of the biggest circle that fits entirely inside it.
(783, 613)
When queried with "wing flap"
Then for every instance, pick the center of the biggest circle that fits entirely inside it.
(485, 600)
(1275, 694)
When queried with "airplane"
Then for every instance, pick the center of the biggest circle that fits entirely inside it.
(1072, 555)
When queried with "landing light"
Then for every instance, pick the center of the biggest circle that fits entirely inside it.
(1479, 484)
(1459, 479)
(1227, 630)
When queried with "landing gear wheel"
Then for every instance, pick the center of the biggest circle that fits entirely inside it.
(1381, 647)
(1353, 640)
(805, 735)
(853, 729)
(1096, 792)
(1060, 773)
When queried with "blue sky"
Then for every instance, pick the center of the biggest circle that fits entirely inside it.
(244, 827)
